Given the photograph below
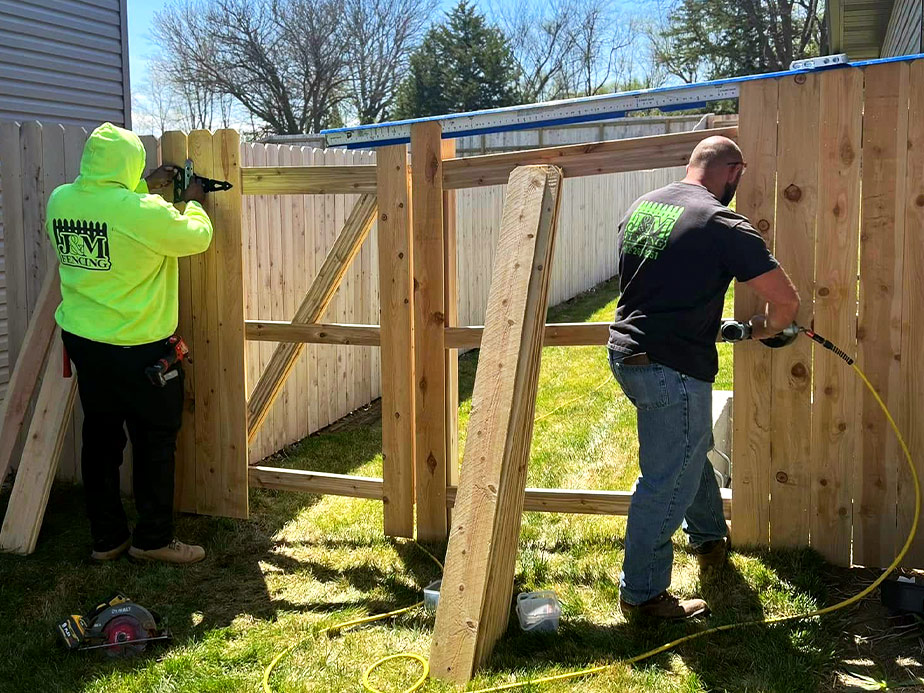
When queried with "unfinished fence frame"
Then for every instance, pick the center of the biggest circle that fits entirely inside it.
(418, 336)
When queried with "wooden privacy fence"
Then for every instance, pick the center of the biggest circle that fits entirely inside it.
(211, 459)
(286, 238)
(836, 182)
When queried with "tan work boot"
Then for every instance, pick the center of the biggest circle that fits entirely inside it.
(112, 554)
(174, 552)
(711, 556)
(665, 607)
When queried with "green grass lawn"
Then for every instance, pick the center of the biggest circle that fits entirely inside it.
(303, 563)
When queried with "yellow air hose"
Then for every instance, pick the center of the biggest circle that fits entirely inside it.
(674, 643)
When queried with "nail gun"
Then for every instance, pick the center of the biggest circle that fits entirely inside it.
(736, 331)
(185, 176)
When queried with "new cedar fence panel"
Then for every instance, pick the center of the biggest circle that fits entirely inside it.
(866, 211)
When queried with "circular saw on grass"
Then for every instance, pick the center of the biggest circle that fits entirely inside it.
(118, 626)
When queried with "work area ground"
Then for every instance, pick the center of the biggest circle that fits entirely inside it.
(303, 563)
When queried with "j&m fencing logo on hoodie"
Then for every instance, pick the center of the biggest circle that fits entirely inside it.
(82, 244)
(649, 228)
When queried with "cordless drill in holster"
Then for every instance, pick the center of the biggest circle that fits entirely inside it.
(176, 350)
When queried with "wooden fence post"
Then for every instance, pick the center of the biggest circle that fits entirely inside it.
(397, 351)
(429, 321)
(451, 309)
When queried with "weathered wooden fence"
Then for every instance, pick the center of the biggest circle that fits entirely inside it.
(836, 182)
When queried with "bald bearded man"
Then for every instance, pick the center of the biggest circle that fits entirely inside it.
(679, 247)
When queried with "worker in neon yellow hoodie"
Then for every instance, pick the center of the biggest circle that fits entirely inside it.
(117, 247)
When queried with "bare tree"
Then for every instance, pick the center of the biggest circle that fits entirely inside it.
(155, 102)
(542, 37)
(602, 39)
(281, 60)
(381, 34)
(567, 47)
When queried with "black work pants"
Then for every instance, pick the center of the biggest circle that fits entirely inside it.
(116, 394)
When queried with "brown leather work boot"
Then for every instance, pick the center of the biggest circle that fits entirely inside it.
(712, 555)
(665, 607)
(174, 552)
(111, 554)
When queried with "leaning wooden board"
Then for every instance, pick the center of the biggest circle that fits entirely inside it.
(36, 473)
(478, 580)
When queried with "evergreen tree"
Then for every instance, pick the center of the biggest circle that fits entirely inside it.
(463, 64)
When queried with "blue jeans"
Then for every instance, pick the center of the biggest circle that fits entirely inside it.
(677, 485)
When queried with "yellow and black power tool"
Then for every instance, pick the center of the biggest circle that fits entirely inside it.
(186, 175)
(118, 626)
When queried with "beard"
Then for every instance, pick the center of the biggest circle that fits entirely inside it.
(729, 193)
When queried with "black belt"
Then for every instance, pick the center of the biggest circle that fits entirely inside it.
(637, 360)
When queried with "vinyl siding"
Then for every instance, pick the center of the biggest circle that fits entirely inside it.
(64, 61)
(61, 61)
(905, 34)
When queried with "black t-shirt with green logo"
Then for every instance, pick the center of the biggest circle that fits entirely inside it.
(679, 249)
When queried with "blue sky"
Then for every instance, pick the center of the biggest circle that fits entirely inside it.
(140, 47)
(141, 17)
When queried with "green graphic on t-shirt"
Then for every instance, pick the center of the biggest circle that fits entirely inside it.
(649, 228)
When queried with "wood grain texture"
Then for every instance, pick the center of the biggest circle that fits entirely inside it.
(24, 382)
(47, 430)
(205, 348)
(173, 147)
(429, 322)
(791, 368)
(308, 180)
(320, 333)
(633, 154)
(835, 385)
(316, 482)
(882, 239)
(756, 199)
(451, 309)
(227, 490)
(478, 579)
(913, 317)
(312, 309)
(397, 322)
(582, 501)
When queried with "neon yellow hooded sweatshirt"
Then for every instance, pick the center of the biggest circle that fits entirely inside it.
(118, 246)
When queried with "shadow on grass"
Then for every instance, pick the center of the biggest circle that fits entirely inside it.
(785, 658)
(39, 591)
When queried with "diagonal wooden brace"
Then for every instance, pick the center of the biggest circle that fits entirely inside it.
(316, 301)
